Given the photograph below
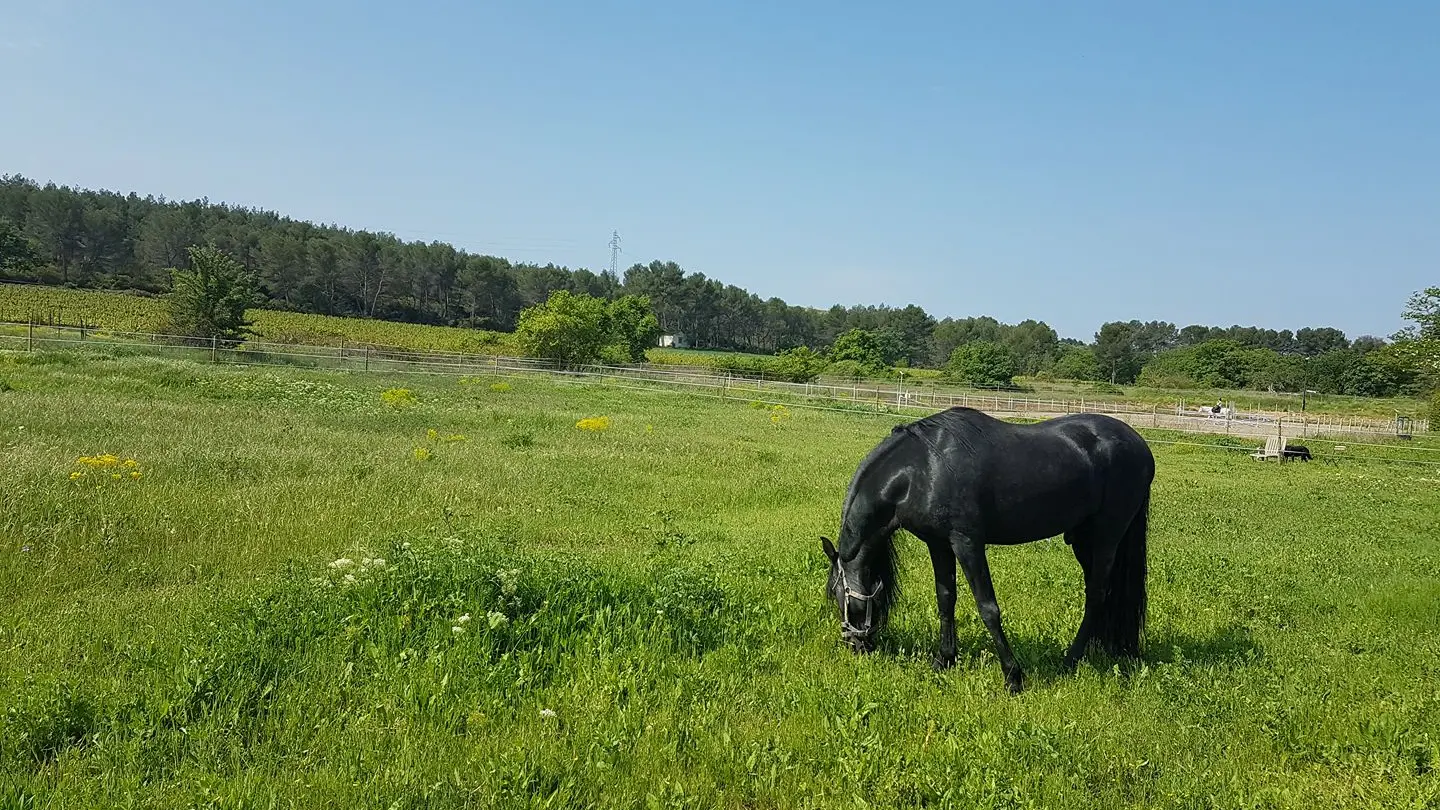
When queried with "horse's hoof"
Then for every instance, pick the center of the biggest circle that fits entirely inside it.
(942, 662)
(1015, 682)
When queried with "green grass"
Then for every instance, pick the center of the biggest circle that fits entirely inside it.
(180, 639)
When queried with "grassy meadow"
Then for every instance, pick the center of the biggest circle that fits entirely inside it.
(125, 312)
(232, 587)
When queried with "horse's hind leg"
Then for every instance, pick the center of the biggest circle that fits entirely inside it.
(971, 554)
(1096, 557)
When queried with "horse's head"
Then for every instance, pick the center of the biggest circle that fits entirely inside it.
(862, 614)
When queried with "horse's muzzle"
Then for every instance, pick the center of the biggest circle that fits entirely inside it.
(859, 643)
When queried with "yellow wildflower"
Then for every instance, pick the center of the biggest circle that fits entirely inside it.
(594, 423)
(397, 397)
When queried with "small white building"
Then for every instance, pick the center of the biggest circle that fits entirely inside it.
(675, 341)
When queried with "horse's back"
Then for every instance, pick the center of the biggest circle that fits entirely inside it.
(1091, 434)
(1026, 482)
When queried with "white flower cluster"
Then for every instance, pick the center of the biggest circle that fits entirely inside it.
(493, 618)
(367, 565)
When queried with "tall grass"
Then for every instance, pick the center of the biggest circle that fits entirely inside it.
(291, 606)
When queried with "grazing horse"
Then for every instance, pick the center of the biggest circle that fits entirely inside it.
(1298, 451)
(961, 480)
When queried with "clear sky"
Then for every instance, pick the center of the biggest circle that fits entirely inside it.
(1265, 163)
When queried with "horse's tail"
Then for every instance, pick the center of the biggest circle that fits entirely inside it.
(1122, 620)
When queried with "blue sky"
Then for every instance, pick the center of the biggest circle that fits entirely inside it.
(1213, 162)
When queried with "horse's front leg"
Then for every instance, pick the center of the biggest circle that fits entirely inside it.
(942, 557)
(971, 554)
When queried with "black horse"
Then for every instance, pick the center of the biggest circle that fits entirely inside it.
(960, 480)
(1298, 451)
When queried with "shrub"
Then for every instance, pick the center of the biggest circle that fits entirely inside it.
(982, 364)
(861, 347)
(799, 364)
(577, 328)
(849, 370)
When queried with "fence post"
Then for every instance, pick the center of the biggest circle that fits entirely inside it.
(30, 337)
(214, 349)
(367, 358)
(1155, 416)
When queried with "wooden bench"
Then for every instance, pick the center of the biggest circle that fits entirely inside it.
(1274, 448)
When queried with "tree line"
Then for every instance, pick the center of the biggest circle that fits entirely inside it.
(107, 240)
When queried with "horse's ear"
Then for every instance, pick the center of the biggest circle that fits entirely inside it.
(828, 548)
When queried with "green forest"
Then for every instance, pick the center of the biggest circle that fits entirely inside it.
(96, 239)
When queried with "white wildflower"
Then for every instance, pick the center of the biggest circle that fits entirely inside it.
(547, 713)
(496, 618)
(342, 563)
(457, 629)
(348, 579)
(464, 617)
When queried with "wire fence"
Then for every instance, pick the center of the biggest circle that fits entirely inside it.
(894, 397)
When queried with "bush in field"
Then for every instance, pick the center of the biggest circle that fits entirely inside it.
(982, 364)
(849, 370)
(633, 327)
(800, 364)
(860, 347)
(568, 328)
(210, 298)
(577, 328)
(745, 365)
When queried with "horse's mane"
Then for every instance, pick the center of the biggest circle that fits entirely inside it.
(967, 425)
(967, 428)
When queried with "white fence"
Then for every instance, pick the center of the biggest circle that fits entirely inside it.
(869, 396)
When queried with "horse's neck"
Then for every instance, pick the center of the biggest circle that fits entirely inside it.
(869, 518)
